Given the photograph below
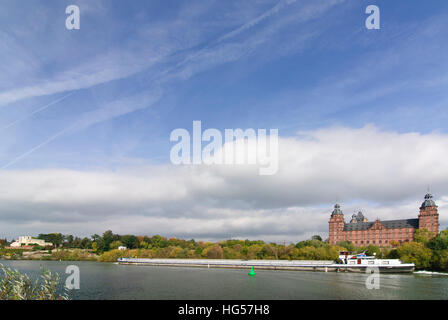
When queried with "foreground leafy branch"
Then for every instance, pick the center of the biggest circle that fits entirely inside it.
(17, 286)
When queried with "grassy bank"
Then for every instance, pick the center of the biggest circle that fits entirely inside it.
(56, 255)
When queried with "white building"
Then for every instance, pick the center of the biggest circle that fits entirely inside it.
(30, 241)
(122, 248)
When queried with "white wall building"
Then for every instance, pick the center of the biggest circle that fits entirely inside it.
(30, 241)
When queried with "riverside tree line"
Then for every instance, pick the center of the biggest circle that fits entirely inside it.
(426, 251)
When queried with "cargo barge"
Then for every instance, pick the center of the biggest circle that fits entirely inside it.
(356, 263)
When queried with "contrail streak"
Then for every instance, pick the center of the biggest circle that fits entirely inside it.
(36, 147)
(274, 10)
(257, 20)
(36, 111)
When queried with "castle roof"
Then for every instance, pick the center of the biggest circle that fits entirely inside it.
(358, 217)
(389, 224)
(337, 209)
(428, 201)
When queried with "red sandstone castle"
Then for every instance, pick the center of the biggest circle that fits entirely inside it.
(362, 233)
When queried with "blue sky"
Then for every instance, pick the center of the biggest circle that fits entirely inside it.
(107, 96)
(307, 65)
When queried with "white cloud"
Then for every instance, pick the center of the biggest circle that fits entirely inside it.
(383, 173)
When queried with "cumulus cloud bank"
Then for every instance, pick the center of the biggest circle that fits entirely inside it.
(383, 173)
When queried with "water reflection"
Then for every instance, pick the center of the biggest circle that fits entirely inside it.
(113, 281)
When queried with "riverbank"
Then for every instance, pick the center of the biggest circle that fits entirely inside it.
(54, 254)
(426, 252)
(64, 254)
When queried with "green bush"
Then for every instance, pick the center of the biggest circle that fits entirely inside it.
(113, 255)
(415, 252)
(17, 286)
(72, 255)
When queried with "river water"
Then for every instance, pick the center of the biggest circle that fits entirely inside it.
(113, 281)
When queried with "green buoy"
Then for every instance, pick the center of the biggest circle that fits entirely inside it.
(252, 272)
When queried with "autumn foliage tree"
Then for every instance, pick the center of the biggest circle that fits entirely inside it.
(417, 253)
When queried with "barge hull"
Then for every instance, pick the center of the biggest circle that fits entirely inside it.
(277, 265)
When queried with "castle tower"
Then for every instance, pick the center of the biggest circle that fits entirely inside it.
(429, 216)
(336, 225)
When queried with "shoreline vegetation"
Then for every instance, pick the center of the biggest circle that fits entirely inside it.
(426, 252)
(17, 286)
